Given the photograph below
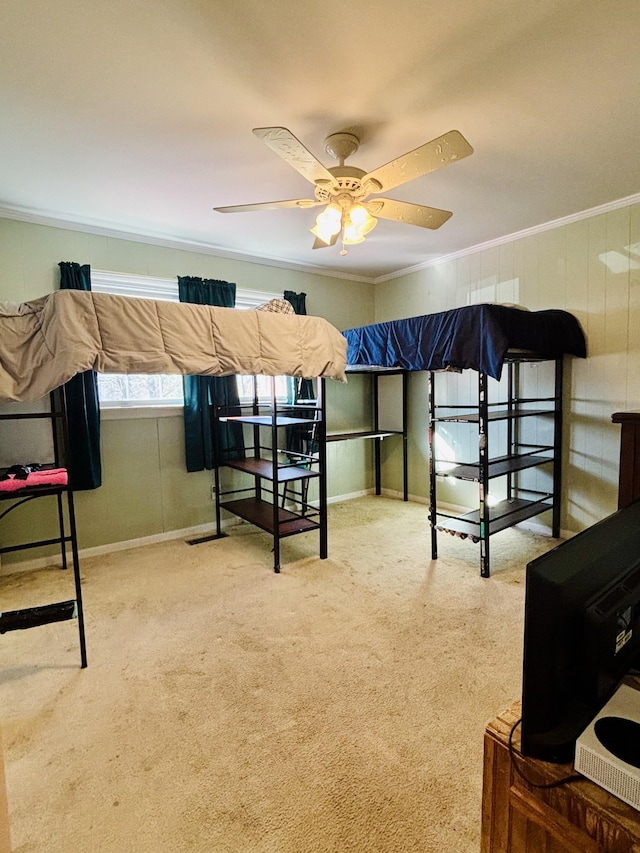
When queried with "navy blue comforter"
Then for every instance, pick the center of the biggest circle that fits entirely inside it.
(477, 336)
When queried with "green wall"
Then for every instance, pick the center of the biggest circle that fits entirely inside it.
(146, 490)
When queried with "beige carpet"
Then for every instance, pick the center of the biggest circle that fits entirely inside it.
(338, 706)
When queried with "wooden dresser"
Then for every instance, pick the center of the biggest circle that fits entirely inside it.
(579, 817)
(629, 476)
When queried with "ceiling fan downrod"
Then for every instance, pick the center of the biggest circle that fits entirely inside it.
(341, 145)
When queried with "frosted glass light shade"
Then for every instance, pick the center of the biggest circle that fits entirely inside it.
(328, 223)
(359, 223)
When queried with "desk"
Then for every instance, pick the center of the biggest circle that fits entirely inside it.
(579, 817)
(397, 403)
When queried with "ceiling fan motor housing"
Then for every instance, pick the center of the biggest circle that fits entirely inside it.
(348, 181)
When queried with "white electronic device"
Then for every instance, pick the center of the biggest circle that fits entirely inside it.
(608, 751)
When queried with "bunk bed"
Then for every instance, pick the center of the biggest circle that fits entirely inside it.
(475, 336)
(43, 343)
(484, 338)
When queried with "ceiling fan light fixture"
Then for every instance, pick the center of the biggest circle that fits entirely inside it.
(359, 214)
(362, 219)
(324, 236)
(328, 223)
(351, 236)
(358, 223)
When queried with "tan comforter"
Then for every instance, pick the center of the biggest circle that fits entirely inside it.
(45, 342)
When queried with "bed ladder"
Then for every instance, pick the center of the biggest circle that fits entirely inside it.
(57, 611)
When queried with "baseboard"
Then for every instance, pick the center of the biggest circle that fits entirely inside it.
(420, 499)
(350, 496)
(109, 547)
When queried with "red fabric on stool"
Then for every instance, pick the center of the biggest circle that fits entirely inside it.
(48, 477)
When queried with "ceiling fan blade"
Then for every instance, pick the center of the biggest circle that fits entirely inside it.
(293, 152)
(410, 214)
(270, 205)
(432, 155)
(320, 244)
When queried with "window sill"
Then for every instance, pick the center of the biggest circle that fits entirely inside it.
(130, 413)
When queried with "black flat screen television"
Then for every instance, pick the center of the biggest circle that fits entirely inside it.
(581, 632)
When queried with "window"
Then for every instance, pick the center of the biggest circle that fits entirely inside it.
(284, 388)
(117, 390)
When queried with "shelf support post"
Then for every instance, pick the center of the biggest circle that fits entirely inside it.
(274, 481)
(557, 447)
(405, 435)
(322, 459)
(432, 468)
(483, 450)
(376, 426)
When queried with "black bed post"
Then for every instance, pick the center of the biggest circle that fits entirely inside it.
(376, 427)
(483, 450)
(405, 435)
(512, 388)
(322, 455)
(217, 461)
(432, 468)
(557, 448)
(275, 480)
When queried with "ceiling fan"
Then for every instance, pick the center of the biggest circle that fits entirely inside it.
(344, 190)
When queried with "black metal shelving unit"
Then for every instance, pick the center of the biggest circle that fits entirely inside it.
(518, 455)
(57, 611)
(277, 471)
(376, 433)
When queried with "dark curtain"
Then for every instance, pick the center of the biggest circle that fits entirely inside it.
(299, 437)
(83, 410)
(202, 393)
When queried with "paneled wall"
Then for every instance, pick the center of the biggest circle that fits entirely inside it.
(590, 267)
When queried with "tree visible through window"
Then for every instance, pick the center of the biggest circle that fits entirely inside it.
(137, 389)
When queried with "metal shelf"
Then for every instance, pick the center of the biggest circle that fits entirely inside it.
(347, 436)
(501, 516)
(480, 524)
(260, 513)
(264, 420)
(492, 415)
(303, 467)
(499, 467)
(264, 468)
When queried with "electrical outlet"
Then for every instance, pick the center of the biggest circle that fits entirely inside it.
(213, 491)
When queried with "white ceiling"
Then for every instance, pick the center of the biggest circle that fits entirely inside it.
(136, 115)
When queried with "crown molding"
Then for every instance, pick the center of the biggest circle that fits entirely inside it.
(517, 235)
(36, 218)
